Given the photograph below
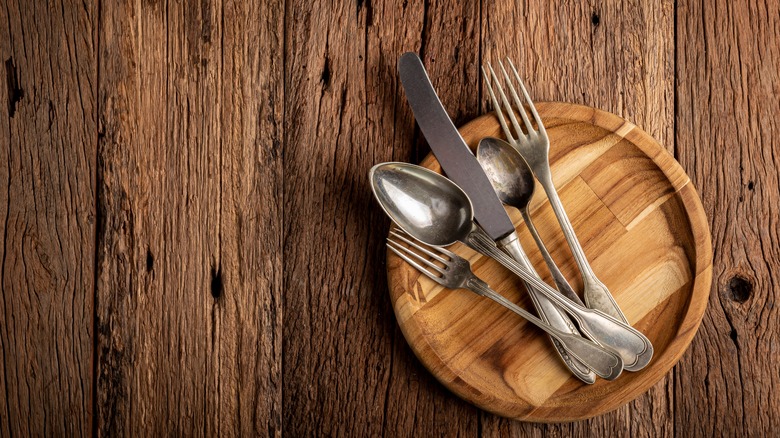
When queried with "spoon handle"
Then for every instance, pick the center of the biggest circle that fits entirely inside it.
(597, 296)
(634, 348)
(548, 312)
(604, 363)
(560, 281)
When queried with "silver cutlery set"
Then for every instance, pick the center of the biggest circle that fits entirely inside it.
(432, 212)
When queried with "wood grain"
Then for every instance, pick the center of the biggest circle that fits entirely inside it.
(728, 64)
(47, 217)
(189, 232)
(111, 127)
(341, 106)
(629, 200)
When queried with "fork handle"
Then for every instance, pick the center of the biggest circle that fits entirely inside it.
(597, 296)
(548, 312)
(604, 362)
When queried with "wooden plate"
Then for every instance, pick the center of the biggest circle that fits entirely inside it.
(644, 230)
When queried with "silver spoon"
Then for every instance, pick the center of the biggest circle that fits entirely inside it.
(514, 184)
(435, 211)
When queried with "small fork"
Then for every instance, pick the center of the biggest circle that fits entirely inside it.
(456, 273)
(534, 146)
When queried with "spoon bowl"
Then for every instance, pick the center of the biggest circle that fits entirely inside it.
(513, 181)
(508, 172)
(423, 203)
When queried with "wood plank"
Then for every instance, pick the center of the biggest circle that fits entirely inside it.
(189, 236)
(47, 217)
(247, 377)
(728, 64)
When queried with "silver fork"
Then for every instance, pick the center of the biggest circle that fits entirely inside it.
(534, 146)
(456, 273)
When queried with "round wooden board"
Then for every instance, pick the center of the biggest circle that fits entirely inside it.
(644, 230)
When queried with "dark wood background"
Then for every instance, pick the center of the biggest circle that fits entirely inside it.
(189, 245)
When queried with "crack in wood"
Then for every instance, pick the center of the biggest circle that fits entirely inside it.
(15, 91)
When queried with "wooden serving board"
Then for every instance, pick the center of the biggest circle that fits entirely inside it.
(645, 233)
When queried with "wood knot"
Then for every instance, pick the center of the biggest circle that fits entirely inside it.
(216, 282)
(740, 289)
(149, 260)
(595, 20)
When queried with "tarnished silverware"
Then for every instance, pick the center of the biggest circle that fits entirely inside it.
(435, 211)
(459, 163)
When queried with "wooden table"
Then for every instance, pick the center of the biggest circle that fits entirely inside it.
(189, 244)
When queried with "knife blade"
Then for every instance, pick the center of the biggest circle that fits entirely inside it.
(454, 155)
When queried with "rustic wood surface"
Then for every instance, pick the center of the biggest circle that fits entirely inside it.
(189, 244)
(641, 223)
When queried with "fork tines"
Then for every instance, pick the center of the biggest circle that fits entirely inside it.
(530, 131)
(421, 263)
